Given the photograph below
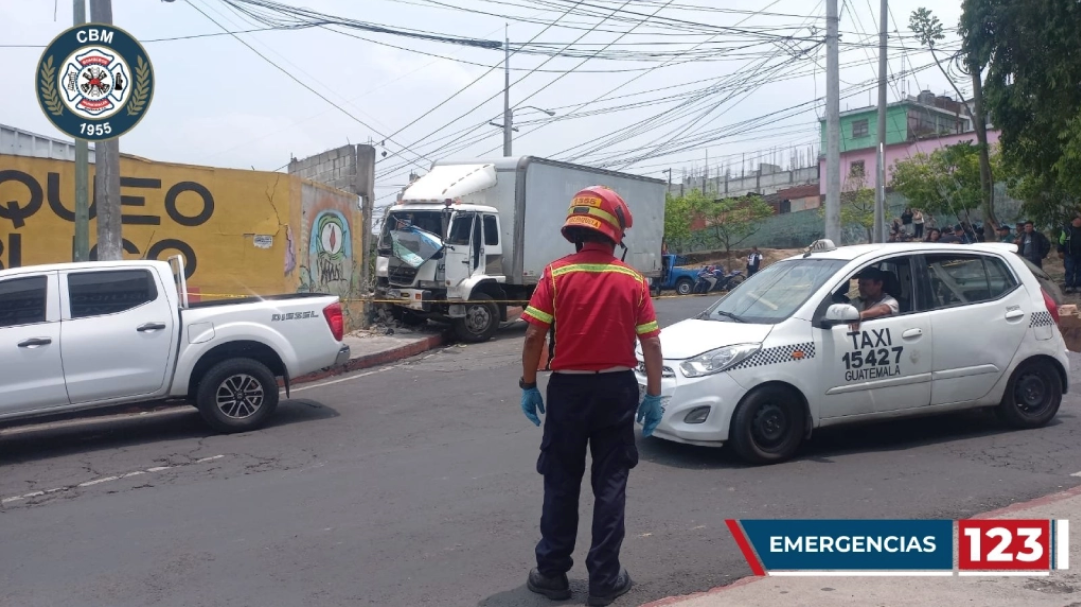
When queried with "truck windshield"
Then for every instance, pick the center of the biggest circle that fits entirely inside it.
(412, 236)
(775, 293)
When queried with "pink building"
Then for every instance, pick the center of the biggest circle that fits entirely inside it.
(865, 159)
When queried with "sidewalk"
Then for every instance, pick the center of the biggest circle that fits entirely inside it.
(1061, 589)
(374, 347)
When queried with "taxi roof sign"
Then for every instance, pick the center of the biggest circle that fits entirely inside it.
(820, 246)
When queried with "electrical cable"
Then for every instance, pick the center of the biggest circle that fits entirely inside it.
(294, 78)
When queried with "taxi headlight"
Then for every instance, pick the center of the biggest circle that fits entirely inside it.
(717, 360)
(666, 371)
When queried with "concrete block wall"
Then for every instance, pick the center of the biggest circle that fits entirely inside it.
(766, 183)
(800, 228)
(336, 168)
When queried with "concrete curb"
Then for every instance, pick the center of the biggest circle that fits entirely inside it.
(373, 360)
(1012, 508)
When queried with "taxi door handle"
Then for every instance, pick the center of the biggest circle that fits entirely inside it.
(1014, 315)
(912, 334)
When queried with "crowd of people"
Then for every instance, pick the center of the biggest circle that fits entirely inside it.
(1032, 244)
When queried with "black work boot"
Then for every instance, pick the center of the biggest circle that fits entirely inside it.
(557, 588)
(623, 586)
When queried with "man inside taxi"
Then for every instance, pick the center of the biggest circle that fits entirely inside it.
(873, 301)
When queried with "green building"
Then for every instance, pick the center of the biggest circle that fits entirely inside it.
(915, 118)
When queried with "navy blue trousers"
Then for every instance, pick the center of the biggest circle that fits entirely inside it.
(595, 411)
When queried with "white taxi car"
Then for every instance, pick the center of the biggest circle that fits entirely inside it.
(778, 356)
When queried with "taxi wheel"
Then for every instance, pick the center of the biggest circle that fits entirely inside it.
(768, 426)
(1033, 395)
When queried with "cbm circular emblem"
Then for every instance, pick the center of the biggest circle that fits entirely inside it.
(95, 82)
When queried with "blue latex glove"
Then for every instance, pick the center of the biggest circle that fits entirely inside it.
(531, 403)
(650, 413)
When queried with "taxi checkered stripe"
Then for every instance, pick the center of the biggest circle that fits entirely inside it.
(1041, 319)
(777, 355)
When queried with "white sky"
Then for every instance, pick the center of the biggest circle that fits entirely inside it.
(218, 103)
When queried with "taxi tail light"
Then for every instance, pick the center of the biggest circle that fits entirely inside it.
(1052, 307)
(333, 316)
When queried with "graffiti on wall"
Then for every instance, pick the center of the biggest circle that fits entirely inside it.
(330, 254)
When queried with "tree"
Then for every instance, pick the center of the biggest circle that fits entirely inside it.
(678, 214)
(948, 180)
(1032, 92)
(731, 221)
(857, 205)
(929, 30)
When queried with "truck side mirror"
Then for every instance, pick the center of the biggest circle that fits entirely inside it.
(839, 314)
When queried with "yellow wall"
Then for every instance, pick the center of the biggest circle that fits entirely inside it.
(245, 232)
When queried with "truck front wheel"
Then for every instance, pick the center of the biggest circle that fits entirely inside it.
(480, 322)
(237, 395)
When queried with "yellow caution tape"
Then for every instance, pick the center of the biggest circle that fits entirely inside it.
(521, 302)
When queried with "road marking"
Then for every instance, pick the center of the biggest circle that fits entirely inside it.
(106, 479)
(344, 379)
(98, 481)
(1076, 474)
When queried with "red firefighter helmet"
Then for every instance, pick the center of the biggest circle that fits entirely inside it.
(600, 209)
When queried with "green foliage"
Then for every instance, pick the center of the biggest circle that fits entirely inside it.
(730, 221)
(857, 205)
(945, 181)
(678, 215)
(926, 26)
(1032, 93)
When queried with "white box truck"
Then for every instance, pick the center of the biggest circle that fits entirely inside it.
(472, 235)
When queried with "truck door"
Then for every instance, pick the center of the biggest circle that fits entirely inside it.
(493, 249)
(31, 371)
(459, 255)
(118, 333)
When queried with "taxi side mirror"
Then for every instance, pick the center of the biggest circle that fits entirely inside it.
(840, 314)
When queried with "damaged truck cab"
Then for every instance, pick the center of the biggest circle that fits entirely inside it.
(470, 238)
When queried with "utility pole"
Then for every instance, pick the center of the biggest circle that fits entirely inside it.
(506, 94)
(833, 126)
(880, 175)
(107, 171)
(81, 250)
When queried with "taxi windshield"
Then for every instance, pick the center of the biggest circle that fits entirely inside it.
(775, 293)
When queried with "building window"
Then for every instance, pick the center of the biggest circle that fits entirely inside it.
(856, 170)
(860, 128)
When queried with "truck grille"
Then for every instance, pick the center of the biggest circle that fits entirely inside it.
(401, 275)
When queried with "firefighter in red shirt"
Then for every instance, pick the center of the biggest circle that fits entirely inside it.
(599, 307)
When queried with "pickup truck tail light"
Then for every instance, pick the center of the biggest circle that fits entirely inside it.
(333, 314)
(1052, 307)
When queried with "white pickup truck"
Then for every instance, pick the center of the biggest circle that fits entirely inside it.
(82, 336)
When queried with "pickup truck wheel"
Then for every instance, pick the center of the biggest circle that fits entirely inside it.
(237, 395)
(1033, 395)
(684, 286)
(481, 320)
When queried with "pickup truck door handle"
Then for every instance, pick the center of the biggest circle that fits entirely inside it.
(151, 326)
(1014, 314)
(35, 342)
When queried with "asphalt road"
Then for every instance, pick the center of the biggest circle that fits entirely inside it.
(414, 484)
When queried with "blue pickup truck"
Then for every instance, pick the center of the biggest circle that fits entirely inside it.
(674, 277)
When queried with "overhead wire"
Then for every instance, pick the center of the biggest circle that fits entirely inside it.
(481, 104)
(578, 108)
(294, 78)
